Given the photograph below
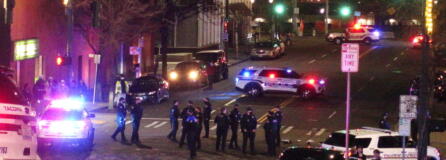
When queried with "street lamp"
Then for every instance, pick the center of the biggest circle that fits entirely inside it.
(279, 8)
(65, 2)
(345, 11)
(270, 1)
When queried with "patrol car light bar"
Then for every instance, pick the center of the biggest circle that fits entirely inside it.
(68, 104)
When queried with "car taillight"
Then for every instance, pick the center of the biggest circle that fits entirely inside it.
(415, 40)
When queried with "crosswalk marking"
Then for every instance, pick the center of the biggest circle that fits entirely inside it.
(128, 122)
(213, 111)
(258, 125)
(214, 127)
(320, 132)
(287, 130)
(152, 124)
(159, 125)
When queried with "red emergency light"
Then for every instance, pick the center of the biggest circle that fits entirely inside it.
(272, 75)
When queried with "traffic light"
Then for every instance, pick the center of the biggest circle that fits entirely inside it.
(345, 11)
(226, 26)
(279, 8)
(62, 61)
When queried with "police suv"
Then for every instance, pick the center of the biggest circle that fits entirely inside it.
(389, 143)
(257, 80)
(18, 138)
(65, 122)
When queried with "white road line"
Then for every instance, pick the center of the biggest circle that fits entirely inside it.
(128, 122)
(312, 61)
(324, 55)
(372, 78)
(213, 111)
(331, 115)
(152, 124)
(367, 52)
(214, 127)
(309, 132)
(320, 132)
(396, 58)
(159, 125)
(287, 130)
(387, 65)
(258, 125)
(230, 102)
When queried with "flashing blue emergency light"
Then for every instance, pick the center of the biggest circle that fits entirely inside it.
(376, 33)
(288, 70)
(246, 74)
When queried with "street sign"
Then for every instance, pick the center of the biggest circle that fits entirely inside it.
(357, 13)
(404, 126)
(97, 59)
(408, 106)
(296, 10)
(135, 50)
(350, 57)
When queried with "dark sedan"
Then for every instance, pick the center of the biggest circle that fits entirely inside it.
(188, 74)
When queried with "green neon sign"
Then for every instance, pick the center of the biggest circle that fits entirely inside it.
(26, 49)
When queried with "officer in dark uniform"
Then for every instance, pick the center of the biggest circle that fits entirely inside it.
(174, 114)
(383, 123)
(248, 125)
(191, 128)
(222, 121)
(199, 115)
(234, 117)
(207, 111)
(278, 115)
(121, 113)
(269, 135)
(136, 112)
(184, 115)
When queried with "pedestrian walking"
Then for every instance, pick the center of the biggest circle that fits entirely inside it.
(248, 125)
(222, 121)
(184, 115)
(121, 113)
(269, 136)
(136, 112)
(191, 128)
(199, 115)
(174, 114)
(279, 116)
(359, 155)
(234, 118)
(383, 123)
(207, 111)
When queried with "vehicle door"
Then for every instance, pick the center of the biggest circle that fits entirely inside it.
(270, 79)
(392, 147)
(355, 34)
(290, 80)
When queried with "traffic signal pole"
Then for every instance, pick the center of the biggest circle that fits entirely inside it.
(327, 10)
(69, 36)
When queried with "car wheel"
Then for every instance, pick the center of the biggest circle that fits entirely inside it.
(306, 93)
(253, 90)
(88, 143)
(338, 41)
(367, 41)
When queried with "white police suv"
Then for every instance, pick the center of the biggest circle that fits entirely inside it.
(389, 143)
(65, 122)
(257, 80)
(18, 137)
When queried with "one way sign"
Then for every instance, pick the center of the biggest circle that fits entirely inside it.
(350, 57)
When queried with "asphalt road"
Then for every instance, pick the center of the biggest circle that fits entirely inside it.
(385, 71)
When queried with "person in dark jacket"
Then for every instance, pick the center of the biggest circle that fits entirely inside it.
(269, 138)
(278, 116)
(189, 108)
(235, 118)
(222, 121)
(359, 155)
(207, 111)
(136, 112)
(174, 114)
(210, 70)
(199, 115)
(191, 128)
(383, 123)
(121, 113)
(248, 124)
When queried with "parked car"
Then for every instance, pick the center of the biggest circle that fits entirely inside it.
(265, 50)
(299, 153)
(218, 58)
(150, 88)
(188, 74)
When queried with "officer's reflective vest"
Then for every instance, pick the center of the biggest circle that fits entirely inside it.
(118, 87)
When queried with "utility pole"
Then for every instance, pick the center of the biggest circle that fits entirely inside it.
(327, 10)
(294, 6)
(225, 37)
(69, 35)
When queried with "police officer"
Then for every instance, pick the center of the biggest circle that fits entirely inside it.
(234, 117)
(222, 121)
(120, 119)
(269, 135)
(191, 129)
(207, 111)
(136, 112)
(184, 115)
(174, 114)
(248, 125)
(199, 115)
(278, 116)
(383, 123)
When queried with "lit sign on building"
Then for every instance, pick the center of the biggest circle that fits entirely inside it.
(26, 49)
(428, 15)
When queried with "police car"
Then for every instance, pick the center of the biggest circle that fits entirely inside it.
(359, 33)
(257, 80)
(65, 122)
(18, 137)
(389, 143)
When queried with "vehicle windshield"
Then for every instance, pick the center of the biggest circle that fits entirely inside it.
(338, 139)
(9, 93)
(144, 84)
(187, 66)
(62, 114)
(208, 57)
(264, 45)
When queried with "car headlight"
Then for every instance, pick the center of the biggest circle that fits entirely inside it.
(173, 75)
(193, 75)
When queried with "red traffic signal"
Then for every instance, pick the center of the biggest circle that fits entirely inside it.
(60, 61)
